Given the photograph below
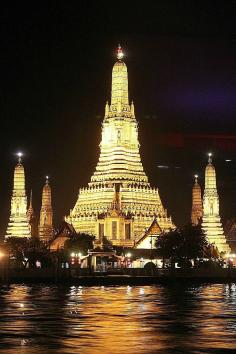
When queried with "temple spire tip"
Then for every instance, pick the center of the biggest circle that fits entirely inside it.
(120, 54)
(19, 154)
(209, 157)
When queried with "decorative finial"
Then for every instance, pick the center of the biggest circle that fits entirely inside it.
(19, 154)
(47, 179)
(120, 54)
(196, 178)
(209, 157)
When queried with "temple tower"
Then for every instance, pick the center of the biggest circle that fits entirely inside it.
(197, 211)
(119, 202)
(211, 218)
(32, 218)
(18, 225)
(46, 214)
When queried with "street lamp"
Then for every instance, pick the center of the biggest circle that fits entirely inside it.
(128, 256)
(76, 257)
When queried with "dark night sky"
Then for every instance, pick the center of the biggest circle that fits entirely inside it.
(56, 63)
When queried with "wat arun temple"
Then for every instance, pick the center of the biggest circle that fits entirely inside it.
(119, 202)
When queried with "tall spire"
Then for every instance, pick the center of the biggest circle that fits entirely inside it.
(119, 201)
(119, 90)
(120, 157)
(210, 174)
(18, 225)
(30, 211)
(196, 203)
(46, 213)
(211, 218)
(31, 217)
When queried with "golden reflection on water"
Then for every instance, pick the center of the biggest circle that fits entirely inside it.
(123, 319)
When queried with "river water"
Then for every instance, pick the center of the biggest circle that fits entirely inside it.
(119, 319)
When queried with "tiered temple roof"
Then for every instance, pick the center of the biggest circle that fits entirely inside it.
(211, 218)
(119, 173)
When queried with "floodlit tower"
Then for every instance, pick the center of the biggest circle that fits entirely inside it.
(197, 212)
(46, 214)
(119, 170)
(18, 225)
(32, 218)
(211, 218)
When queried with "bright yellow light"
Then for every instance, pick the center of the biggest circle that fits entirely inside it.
(80, 254)
(1, 254)
(120, 54)
(72, 254)
(128, 255)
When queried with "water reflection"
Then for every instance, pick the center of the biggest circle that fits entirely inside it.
(122, 319)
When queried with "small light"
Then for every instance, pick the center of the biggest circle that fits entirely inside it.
(196, 176)
(72, 254)
(80, 254)
(21, 305)
(163, 166)
(120, 54)
(228, 160)
(19, 154)
(209, 154)
(128, 255)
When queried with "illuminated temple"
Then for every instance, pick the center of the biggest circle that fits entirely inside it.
(119, 202)
(196, 215)
(46, 214)
(18, 225)
(211, 218)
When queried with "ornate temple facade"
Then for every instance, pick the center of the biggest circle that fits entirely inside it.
(46, 214)
(18, 225)
(197, 211)
(211, 218)
(119, 202)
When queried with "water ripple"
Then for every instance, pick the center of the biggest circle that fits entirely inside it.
(119, 319)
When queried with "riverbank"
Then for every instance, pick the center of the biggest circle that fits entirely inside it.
(127, 277)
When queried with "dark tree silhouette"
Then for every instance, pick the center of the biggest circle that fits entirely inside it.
(79, 243)
(182, 245)
(25, 252)
(167, 245)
